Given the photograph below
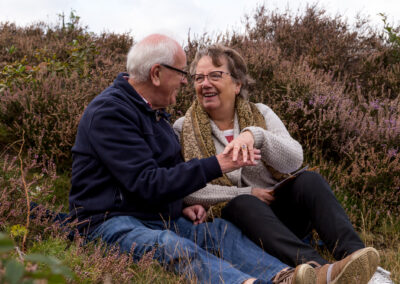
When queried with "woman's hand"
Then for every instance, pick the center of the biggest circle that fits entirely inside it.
(227, 163)
(263, 194)
(195, 213)
(244, 143)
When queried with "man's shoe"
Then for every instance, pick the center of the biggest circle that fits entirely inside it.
(356, 268)
(302, 274)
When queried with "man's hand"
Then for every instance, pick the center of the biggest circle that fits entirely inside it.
(263, 194)
(244, 143)
(195, 213)
(227, 163)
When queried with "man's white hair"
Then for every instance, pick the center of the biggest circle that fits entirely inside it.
(154, 49)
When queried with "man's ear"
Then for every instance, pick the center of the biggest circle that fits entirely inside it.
(155, 75)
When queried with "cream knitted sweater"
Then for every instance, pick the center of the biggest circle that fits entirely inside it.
(278, 149)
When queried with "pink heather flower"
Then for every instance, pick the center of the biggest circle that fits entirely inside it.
(375, 104)
(299, 104)
(392, 152)
(322, 100)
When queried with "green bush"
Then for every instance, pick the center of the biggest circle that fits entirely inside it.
(335, 87)
(24, 270)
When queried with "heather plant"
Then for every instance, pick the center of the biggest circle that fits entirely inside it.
(357, 55)
(44, 91)
(336, 88)
(24, 180)
(97, 263)
(46, 112)
(21, 181)
(393, 38)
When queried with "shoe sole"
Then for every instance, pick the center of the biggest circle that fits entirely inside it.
(305, 274)
(360, 268)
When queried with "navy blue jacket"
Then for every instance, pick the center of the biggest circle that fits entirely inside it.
(127, 161)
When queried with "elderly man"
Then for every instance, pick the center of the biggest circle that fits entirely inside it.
(129, 179)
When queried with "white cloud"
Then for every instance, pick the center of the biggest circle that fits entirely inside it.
(177, 17)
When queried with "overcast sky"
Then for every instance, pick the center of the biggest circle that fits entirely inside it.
(177, 17)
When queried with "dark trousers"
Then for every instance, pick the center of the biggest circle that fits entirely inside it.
(303, 204)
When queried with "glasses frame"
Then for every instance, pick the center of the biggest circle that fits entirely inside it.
(193, 77)
(183, 73)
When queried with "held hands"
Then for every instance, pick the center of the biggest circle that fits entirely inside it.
(237, 153)
(243, 144)
(264, 194)
(195, 213)
(227, 163)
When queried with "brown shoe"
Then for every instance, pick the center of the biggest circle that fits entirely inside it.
(356, 268)
(303, 274)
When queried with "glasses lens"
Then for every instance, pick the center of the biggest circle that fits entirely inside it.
(198, 78)
(215, 75)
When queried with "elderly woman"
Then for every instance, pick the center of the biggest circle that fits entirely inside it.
(222, 119)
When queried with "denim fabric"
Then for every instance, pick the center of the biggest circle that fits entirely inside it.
(190, 249)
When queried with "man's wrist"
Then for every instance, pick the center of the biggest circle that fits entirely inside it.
(222, 161)
(212, 168)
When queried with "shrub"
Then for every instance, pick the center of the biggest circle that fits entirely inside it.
(25, 269)
(335, 87)
(44, 90)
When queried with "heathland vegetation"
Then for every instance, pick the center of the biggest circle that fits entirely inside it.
(335, 85)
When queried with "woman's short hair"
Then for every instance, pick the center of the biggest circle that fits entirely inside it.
(143, 55)
(236, 64)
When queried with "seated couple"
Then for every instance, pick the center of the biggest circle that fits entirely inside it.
(129, 179)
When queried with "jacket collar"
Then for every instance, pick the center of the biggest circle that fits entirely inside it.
(122, 82)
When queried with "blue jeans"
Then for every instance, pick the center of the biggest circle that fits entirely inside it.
(191, 249)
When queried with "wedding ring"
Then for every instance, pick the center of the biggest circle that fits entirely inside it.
(244, 146)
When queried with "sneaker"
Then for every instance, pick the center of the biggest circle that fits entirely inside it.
(302, 274)
(355, 268)
(381, 276)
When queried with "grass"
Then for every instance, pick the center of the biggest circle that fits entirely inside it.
(94, 264)
(336, 88)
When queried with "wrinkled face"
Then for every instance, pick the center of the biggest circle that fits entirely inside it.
(171, 81)
(215, 93)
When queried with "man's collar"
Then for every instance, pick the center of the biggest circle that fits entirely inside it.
(161, 113)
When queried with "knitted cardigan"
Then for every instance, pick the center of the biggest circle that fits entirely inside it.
(278, 149)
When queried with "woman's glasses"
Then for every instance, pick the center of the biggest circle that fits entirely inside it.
(213, 76)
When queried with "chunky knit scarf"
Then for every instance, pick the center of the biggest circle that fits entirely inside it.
(196, 135)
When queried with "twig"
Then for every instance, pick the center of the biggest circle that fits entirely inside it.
(20, 253)
(9, 146)
(26, 191)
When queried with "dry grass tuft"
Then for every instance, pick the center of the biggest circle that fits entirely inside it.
(336, 88)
